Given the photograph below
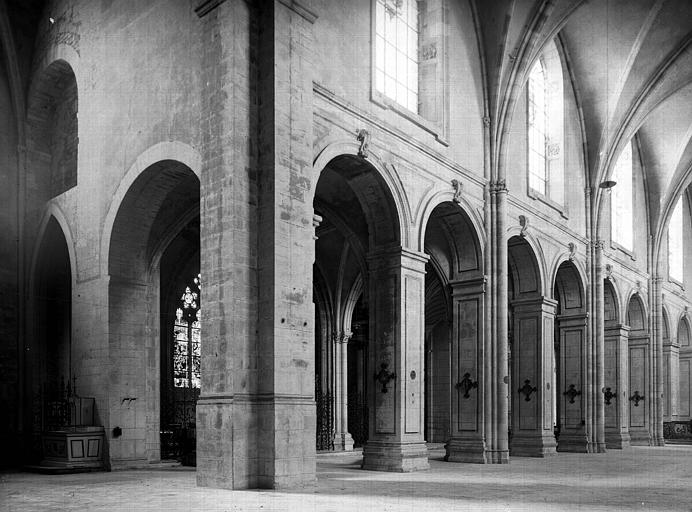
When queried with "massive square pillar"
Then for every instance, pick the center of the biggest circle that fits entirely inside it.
(532, 377)
(572, 396)
(467, 443)
(638, 392)
(397, 301)
(615, 390)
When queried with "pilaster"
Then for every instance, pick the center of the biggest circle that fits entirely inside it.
(467, 443)
(573, 396)
(615, 389)
(397, 301)
(532, 377)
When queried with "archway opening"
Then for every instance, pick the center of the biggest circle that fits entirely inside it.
(49, 365)
(569, 387)
(616, 370)
(181, 326)
(355, 216)
(530, 354)
(639, 358)
(153, 257)
(52, 136)
(454, 298)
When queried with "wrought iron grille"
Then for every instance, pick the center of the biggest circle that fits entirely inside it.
(358, 418)
(325, 419)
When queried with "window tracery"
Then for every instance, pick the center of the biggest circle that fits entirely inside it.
(187, 336)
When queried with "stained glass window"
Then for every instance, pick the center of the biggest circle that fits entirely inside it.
(675, 237)
(538, 124)
(186, 332)
(621, 200)
(396, 51)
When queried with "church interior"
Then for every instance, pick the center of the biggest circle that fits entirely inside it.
(406, 234)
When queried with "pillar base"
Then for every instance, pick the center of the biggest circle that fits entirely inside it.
(497, 456)
(617, 440)
(533, 445)
(395, 456)
(343, 442)
(459, 449)
(640, 438)
(575, 443)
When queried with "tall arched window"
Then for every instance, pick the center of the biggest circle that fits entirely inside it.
(675, 237)
(621, 200)
(396, 51)
(538, 113)
(186, 330)
(545, 128)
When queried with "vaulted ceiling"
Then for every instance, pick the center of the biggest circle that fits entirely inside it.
(631, 66)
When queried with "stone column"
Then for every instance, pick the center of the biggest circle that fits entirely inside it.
(615, 390)
(467, 443)
(657, 363)
(596, 372)
(397, 307)
(532, 374)
(342, 438)
(574, 396)
(497, 359)
(671, 380)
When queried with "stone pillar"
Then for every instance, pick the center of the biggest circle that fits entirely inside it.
(256, 412)
(397, 308)
(532, 374)
(574, 396)
(615, 390)
(496, 360)
(467, 443)
(342, 438)
(657, 396)
(671, 380)
(596, 370)
(227, 423)
(638, 389)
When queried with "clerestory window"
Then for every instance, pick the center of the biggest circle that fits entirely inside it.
(409, 61)
(396, 51)
(675, 242)
(622, 228)
(545, 119)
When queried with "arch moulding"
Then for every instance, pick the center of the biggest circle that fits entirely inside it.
(336, 148)
(169, 150)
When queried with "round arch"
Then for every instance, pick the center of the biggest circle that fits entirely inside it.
(387, 173)
(526, 248)
(636, 314)
(612, 301)
(163, 151)
(450, 236)
(684, 323)
(578, 267)
(569, 286)
(434, 199)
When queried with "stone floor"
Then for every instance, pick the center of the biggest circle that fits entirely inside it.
(634, 479)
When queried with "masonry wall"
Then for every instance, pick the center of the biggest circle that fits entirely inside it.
(9, 353)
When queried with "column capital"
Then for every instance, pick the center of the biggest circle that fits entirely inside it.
(498, 187)
(530, 303)
(472, 286)
(597, 244)
(395, 255)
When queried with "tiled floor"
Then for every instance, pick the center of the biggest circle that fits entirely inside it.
(634, 479)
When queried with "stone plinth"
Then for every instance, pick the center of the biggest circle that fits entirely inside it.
(73, 448)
